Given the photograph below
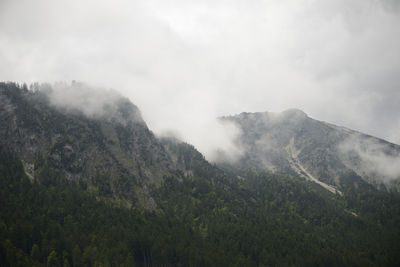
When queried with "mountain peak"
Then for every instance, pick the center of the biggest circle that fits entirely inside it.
(294, 112)
(94, 103)
(318, 151)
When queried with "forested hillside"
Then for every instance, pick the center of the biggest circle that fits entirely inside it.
(202, 214)
(265, 220)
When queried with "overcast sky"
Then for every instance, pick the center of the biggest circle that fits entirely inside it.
(184, 62)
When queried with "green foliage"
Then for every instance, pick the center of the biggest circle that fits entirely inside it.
(260, 221)
(52, 259)
(35, 252)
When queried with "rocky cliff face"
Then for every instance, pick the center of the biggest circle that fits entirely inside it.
(112, 150)
(95, 137)
(315, 150)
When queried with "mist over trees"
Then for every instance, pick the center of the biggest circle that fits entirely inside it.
(195, 214)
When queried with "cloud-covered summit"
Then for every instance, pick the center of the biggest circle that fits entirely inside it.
(92, 102)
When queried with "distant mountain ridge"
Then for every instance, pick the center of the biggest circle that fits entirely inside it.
(315, 150)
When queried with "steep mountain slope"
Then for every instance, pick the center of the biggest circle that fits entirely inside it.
(318, 151)
(114, 151)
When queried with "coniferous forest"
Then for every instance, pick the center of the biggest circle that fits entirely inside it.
(263, 221)
(111, 213)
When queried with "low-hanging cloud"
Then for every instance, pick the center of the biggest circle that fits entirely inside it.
(377, 159)
(184, 63)
(79, 97)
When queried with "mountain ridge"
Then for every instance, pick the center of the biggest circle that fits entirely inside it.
(112, 150)
(118, 149)
(322, 149)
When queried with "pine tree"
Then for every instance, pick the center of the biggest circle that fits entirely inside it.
(52, 259)
(35, 252)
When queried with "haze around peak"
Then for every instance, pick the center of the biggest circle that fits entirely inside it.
(184, 63)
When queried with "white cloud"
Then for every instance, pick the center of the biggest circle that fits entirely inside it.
(377, 160)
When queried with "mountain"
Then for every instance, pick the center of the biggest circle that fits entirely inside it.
(98, 140)
(318, 151)
(112, 150)
(84, 182)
